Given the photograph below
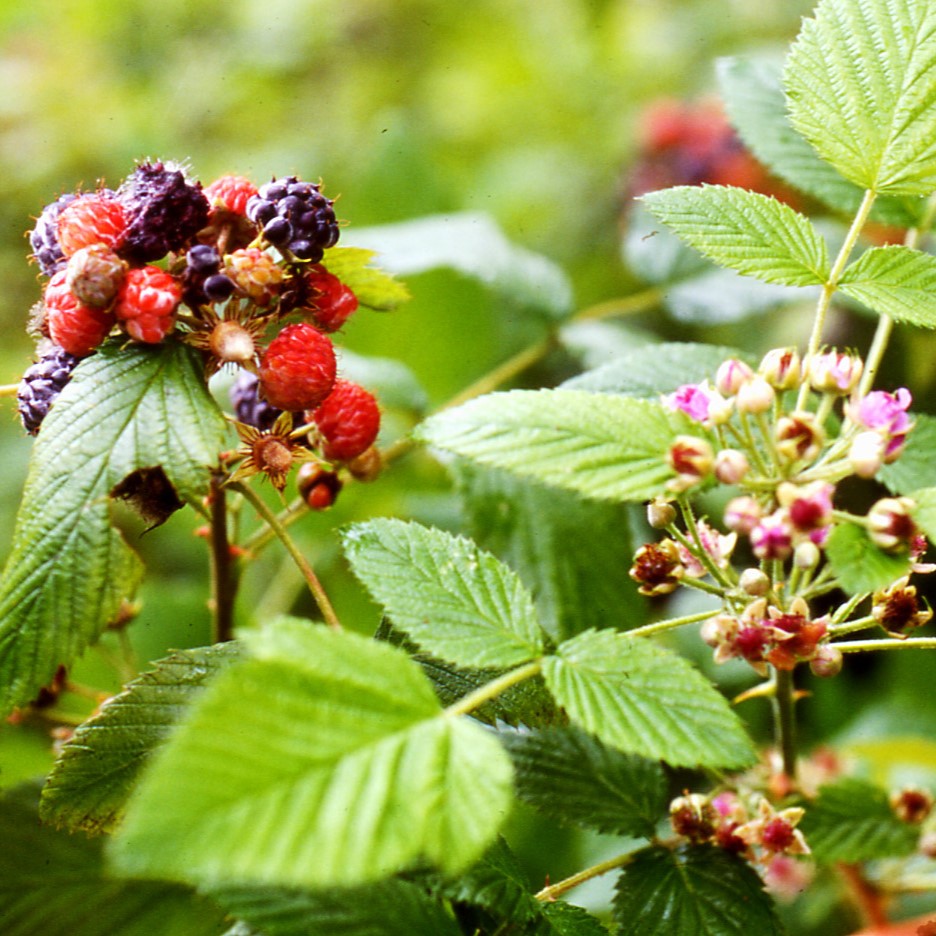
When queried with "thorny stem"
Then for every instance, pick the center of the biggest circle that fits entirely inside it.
(223, 574)
(552, 891)
(671, 623)
(315, 586)
(785, 721)
(825, 298)
(494, 688)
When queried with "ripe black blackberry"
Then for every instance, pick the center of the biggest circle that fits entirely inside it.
(43, 238)
(295, 216)
(165, 210)
(202, 281)
(248, 407)
(41, 385)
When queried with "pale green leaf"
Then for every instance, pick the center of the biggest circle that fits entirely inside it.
(566, 550)
(601, 446)
(756, 104)
(100, 764)
(744, 231)
(852, 821)
(474, 245)
(858, 564)
(382, 908)
(641, 698)
(894, 281)
(925, 512)
(125, 409)
(456, 601)
(54, 883)
(574, 778)
(346, 772)
(694, 890)
(373, 288)
(861, 87)
(914, 469)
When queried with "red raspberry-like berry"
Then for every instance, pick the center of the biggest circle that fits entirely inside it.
(348, 421)
(72, 325)
(91, 219)
(333, 302)
(255, 274)
(297, 371)
(230, 193)
(146, 304)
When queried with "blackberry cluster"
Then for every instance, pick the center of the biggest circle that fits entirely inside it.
(41, 384)
(295, 216)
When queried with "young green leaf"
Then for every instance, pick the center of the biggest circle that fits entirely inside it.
(695, 890)
(753, 94)
(472, 244)
(925, 513)
(52, 882)
(573, 777)
(373, 288)
(858, 564)
(346, 771)
(126, 408)
(914, 469)
(456, 601)
(894, 281)
(99, 766)
(643, 699)
(852, 821)
(861, 87)
(567, 550)
(605, 447)
(382, 908)
(745, 231)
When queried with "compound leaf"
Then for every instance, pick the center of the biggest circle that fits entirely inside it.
(894, 281)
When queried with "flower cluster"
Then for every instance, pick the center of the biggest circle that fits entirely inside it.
(783, 436)
(238, 272)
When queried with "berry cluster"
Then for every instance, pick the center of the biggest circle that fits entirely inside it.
(239, 273)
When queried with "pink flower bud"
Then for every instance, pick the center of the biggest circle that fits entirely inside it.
(834, 372)
(692, 459)
(742, 514)
(731, 466)
(700, 402)
(772, 538)
(809, 505)
(781, 368)
(827, 662)
(731, 374)
(755, 396)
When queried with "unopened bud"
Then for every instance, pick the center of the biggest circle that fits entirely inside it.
(755, 583)
(781, 368)
(731, 466)
(660, 513)
(834, 372)
(742, 514)
(890, 523)
(827, 661)
(806, 556)
(799, 437)
(730, 376)
(367, 466)
(755, 396)
(692, 459)
(866, 454)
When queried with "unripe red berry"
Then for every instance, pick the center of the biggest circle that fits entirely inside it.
(255, 273)
(147, 302)
(230, 193)
(297, 370)
(91, 219)
(74, 326)
(334, 303)
(348, 421)
(94, 275)
(318, 487)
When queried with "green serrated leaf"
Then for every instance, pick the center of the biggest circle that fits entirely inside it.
(643, 699)
(925, 513)
(100, 764)
(346, 772)
(574, 778)
(745, 231)
(565, 919)
(601, 446)
(52, 882)
(894, 281)
(648, 373)
(914, 469)
(126, 408)
(456, 601)
(858, 564)
(567, 550)
(373, 288)
(753, 94)
(861, 88)
(852, 821)
(472, 244)
(695, 890)
(382, 908)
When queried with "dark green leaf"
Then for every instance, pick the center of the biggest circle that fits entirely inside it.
(373, 288)
(914, 469)
(894, 281)
(382, 908)
(573, 777)
(54, 883)
(858, 564)
(695, 890)
(852, 821)
(126, 408)
(100, 764)
(643, 699)
(566, 550)
(565, 919)
(456, 601)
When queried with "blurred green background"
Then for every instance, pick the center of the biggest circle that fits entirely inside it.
(528, 110)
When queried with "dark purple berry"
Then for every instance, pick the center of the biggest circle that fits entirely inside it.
(295, 216)
(202, 280)
(44, 237)
(219, 287)
(41, 384)
(248, 407)
(166, 211)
